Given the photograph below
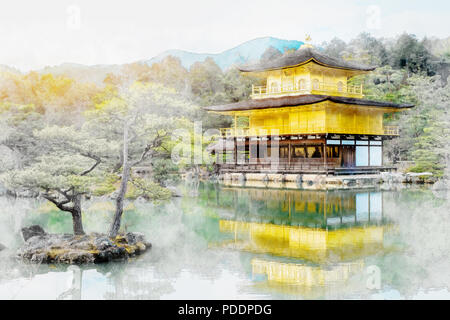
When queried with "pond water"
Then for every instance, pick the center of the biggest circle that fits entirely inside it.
(219, 242)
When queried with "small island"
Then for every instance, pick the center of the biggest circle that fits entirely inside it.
(68, 165)
(43, 247)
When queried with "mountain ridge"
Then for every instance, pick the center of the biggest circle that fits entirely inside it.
(249, 51)
(246, 52)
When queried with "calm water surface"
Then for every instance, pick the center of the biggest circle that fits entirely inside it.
(219, 242)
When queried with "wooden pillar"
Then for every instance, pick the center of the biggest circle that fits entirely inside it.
(325, 157)
(235, 151)
(246, 161)
(253, 151)
(289, 154)
(325, 209)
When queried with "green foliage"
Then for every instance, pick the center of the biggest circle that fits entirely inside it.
(164, 171)
(410, 54)
(237, 86)
(107, 185)
(405, 52)
(59, 95)
(368, 50)
(140, 119)
(64, 158)
(211, 86)
(64, 155)
(386, 84)
(18, 122)
(139, 187)
(52, 172)
(405, 75)
(334, 48)
(206, 82)
(170, 73)
(424, 134)
(429, 125)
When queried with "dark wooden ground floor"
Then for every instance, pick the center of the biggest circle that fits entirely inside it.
(323, 154)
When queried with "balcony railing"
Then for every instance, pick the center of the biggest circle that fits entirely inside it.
(286, 130)
(391, 130)
(356, 91)
(232, 132)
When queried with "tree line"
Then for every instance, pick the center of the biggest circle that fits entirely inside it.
(69, 142)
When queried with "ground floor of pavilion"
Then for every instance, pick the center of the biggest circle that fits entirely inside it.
(327, 153)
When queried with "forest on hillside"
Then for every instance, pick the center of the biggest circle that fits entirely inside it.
(44, 114)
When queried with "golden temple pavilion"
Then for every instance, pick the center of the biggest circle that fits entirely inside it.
(308, 116)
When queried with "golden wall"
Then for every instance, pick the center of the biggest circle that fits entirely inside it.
(291, 77)
(309, 78)
(324, 117)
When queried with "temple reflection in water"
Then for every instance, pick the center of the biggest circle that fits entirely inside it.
(300, 239)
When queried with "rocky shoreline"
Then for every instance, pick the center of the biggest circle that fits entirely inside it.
(322, 181)
(43, 247)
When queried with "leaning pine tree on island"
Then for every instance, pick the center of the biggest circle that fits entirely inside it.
(139, 119)
(66, 169)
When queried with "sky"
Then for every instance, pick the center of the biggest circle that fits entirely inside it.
(35, 34)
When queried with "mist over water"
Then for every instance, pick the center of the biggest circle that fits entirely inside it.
(252, 243)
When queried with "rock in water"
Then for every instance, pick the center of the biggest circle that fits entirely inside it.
(29, 232)
(41, 247)
(134, 237)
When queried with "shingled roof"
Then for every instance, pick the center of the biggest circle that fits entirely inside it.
(302, 56)
(292, 101)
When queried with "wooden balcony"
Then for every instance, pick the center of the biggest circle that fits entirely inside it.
(260, 92)
(285, 130)
(232, 132)
(268, 131)
(332, 166)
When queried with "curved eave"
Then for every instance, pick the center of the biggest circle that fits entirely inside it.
(295, 101)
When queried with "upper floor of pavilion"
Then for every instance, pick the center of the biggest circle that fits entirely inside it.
(307, 92)
(307, 71)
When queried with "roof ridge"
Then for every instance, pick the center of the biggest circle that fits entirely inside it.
(302, 56)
